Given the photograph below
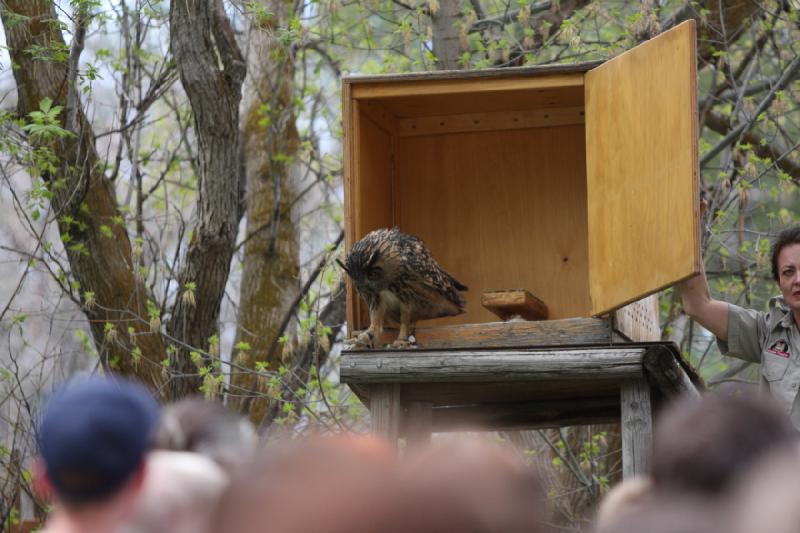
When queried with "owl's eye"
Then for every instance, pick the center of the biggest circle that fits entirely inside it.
(374, 274)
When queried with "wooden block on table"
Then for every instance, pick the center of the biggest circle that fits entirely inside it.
(514, 302)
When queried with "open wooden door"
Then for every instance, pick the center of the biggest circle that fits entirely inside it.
(642, 166)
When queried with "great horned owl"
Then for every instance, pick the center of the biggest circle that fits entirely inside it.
(401, 282)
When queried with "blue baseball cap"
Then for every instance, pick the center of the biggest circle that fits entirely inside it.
(93, 435)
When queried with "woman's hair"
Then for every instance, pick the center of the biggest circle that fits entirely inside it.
(784, 238)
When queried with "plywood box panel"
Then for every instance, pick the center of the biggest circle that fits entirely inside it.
(486, 121)
(417, 106)
(641, 131)
(491, 207)
(374, 177)
(442, 90)
(371, 190)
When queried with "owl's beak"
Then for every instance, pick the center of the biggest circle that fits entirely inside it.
(342, 265)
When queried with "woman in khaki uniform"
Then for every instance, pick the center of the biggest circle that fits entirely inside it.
(771, 338)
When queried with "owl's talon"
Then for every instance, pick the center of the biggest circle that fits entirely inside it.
(364, 340)
(402, 344)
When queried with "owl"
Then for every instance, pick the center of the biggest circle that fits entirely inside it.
(401, 283)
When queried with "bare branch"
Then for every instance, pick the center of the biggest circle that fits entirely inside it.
(735, 133)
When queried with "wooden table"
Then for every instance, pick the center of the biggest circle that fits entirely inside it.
(413, 393)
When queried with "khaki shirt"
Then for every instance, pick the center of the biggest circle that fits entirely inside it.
(771, 339)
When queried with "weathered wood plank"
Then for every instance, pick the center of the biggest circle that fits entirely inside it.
(404, 366)
(540, 70)
(668, 375)
(574, 331)
(419, 424)
(528, 415)
(508, 391)
(385, 411)
(637, 427)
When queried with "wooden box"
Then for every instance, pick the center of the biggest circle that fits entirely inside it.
(576, 182)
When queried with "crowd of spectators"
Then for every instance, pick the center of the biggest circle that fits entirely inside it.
(113, 460)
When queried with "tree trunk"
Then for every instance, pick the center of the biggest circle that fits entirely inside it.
(446, 46)
(99, 250)
(270, 277)
(212, 70)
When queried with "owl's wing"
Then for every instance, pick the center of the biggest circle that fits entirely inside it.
(432, 302)
(439, 281)
(430, 273)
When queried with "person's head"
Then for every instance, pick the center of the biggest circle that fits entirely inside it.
(786, 265)
(207, 428)
(93, 436)
(668, 513)
(703, 447)
(625, 498)
(179, 495)
(767, 498)
(323, 484)
(470, 484)
(355, 485)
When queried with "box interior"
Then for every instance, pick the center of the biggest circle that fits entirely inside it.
(493, 181)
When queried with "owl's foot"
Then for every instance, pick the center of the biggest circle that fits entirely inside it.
(404, 344)
(364, 341)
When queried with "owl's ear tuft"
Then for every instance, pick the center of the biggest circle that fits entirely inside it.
(342, 265)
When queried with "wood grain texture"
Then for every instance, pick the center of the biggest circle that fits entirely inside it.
(499, 392)
(385, 411)
(368, 189)
(418, 425)
(381, 116)
(566, 331)
(415, 106)
(530, 415)
(489, 121)
(669, 376)
(463, 85)
(501, 209)
(349, 179)
(508, 365)
(511, 303)
(637, 427)
(642, 166)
